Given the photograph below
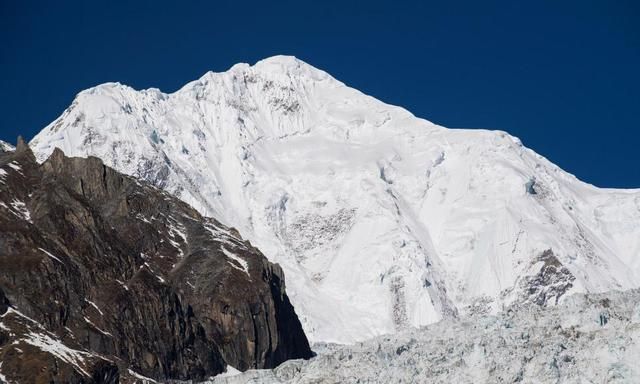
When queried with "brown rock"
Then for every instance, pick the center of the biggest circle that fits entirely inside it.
(130, 278)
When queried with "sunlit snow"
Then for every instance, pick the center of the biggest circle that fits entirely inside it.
(380, 220)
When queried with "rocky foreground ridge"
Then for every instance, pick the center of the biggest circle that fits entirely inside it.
(106, 279)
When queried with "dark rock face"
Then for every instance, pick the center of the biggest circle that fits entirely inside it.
(551, 281)
(106, 279)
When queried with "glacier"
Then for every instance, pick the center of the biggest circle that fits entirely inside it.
(381, 220)
(588, 338)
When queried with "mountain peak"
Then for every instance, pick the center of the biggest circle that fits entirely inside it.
(274, 66)
(282, 59)
(284, 62)
(279, 65)
(306, 167)
(289, 65)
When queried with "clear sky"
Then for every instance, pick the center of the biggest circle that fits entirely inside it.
(564, 76)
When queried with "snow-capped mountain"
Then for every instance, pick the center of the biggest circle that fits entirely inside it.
(380, 219)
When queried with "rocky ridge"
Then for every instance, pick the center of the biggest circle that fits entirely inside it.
(104, 278)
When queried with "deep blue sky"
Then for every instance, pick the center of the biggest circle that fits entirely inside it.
(564, 76)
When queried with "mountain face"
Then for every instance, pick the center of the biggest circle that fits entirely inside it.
(105, 279)
(381, 220)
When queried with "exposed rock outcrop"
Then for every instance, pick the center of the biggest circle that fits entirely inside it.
(551, 282)
(106, 279)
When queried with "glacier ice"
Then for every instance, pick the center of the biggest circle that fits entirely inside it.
(568, 343)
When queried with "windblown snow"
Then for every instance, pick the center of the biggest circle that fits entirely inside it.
(381, 220)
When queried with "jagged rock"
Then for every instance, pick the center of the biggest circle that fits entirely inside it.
(550, 283)
(127, 281)
(21, 145)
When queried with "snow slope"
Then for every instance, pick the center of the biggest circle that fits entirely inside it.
(381, 220)
(6, 147)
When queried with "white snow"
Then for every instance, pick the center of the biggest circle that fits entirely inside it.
(142, 218)
(123, 284)
(94, 306)
(238, 262)
(153, 272)
(380, 220)
(18, 313)
(96, 327)
(176, 229)
(50, 255)
(3, 378)
(176, 245)
(48, 342)
(16, 166)
(138, 376)
(56, 348)
(229, 372)
(6, 147)
(20, 210)
(223, 236)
